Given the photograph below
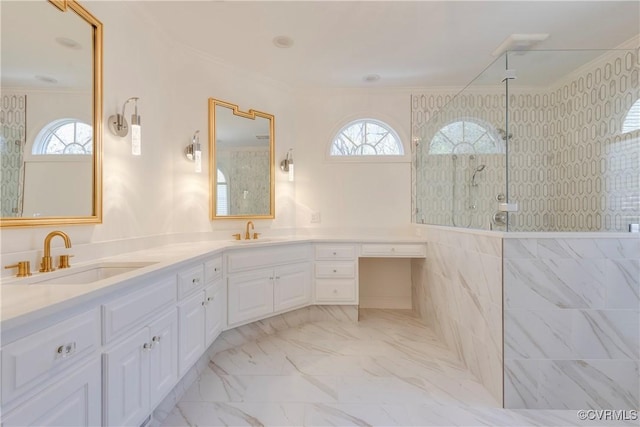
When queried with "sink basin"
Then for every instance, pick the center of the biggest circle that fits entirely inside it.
(88, 274)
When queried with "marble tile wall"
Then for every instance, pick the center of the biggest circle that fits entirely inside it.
(572, 323)
(457, 290)
(247, 333)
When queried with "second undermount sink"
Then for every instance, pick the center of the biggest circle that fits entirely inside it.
(88, 274)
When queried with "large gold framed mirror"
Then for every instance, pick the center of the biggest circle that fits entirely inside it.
(50, 114)
(241, 162)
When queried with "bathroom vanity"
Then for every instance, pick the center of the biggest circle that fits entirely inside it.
(107, 350)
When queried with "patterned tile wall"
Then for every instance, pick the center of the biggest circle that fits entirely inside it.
(13, 122)
(248, 181)
(570, 167)
(572, 323)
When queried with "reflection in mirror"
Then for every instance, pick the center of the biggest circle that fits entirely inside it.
(241, 162)
(50, 114)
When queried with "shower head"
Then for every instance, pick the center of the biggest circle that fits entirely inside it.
(473, 177)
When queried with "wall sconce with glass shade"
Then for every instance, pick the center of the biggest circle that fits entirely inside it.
(118, 126)
(287, 164)
(193, 151)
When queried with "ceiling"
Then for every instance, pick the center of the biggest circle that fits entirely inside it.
(406, 43)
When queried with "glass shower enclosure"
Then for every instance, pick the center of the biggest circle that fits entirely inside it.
(539, 141)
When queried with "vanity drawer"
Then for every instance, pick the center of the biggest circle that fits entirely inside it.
(190, 280)
(336, 290)
(248, 259)
(213, 270)
(40, 356)
(401, 250)
(329, 252)
(124, 314)
(335, 269)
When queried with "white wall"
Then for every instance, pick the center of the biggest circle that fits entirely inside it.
(348, 195)
(158, 193)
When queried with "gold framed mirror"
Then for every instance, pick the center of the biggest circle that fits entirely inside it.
(50, 114)
(241, 162)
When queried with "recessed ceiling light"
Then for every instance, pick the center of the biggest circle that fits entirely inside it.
(283, 42)
(370, 78)
(70, 43)
(47, 79)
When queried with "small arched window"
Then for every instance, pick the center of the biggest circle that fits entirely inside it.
(466, 136)
(64, 136)
(366, 137)
(632, 119)
(222, 195)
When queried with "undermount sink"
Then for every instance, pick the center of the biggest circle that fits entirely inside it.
(88, 274)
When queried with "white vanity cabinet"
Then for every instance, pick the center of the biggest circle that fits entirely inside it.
(140, 364)
(52, 377)
(266, 281)
(336, 274)
(201, 314)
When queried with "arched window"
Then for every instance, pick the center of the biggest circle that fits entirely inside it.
(222, 195)
(64, 136)
(366, 137)
(466, 136)
(632, 119)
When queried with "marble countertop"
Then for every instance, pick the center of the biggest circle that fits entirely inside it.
(23, 301)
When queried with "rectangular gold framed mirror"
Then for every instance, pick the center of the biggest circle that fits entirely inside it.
(241, 162)
(50, 114)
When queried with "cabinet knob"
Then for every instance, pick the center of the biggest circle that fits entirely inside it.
(204, 303)
(209, 298)
(156, 339)
(66, 349)
(335, 253)
(335, 271)
(277, 277)
(335, 291)
(147, 346)
(195, 280)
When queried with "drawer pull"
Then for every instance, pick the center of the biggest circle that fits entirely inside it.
(209, 298)
(277, 277)
(155, 339)
(335, 253)
(393, 249)
(335, 291)
(66, 350)
(195, 281)
(335, 271)
(147, 346)
(215, 269)
(204, 303)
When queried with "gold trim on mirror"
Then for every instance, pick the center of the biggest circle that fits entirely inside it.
(73, 6)
(60, 4)
(213, 176)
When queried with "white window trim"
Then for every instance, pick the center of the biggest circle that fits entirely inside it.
(406, 148)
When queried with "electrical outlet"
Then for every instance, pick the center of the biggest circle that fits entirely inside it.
(315, 217)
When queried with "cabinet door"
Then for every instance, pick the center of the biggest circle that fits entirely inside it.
(191, 331)
(126, 381)
(163, 357)
(292, 286)
(250, 296)
(214, 313)
(72, 401)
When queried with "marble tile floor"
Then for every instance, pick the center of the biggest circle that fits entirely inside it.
(386, 370)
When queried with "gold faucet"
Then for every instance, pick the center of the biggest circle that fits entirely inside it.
(247, 236)
(47, 265)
